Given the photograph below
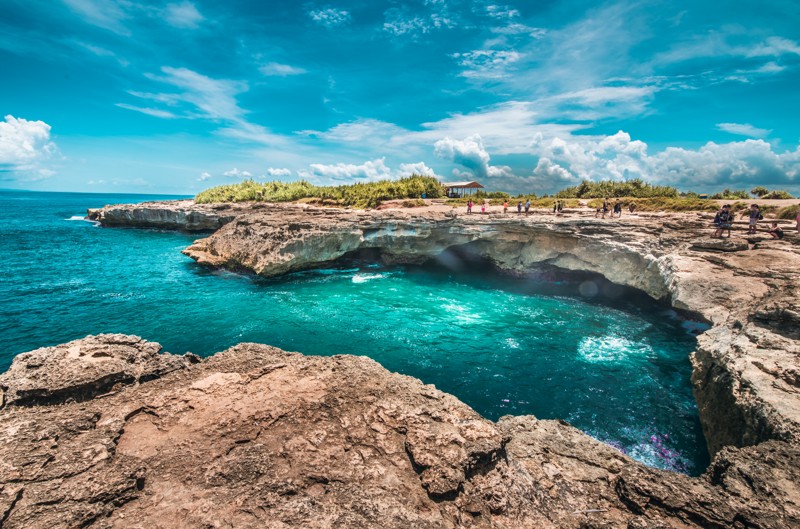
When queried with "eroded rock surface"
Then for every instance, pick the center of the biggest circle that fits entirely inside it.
(257, 437)
(85, 368)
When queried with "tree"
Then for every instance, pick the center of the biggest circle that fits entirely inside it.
(759, 191)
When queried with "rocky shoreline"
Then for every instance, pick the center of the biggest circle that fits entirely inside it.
(107, 432)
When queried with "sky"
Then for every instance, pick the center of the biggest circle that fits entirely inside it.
(526, 96)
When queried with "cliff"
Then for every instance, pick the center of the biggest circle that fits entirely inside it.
(257, 437)
(106, 432)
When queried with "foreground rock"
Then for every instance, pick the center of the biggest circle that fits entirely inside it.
(257, 437)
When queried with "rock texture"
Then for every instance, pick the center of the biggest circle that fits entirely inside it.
(257, 437)
(182, 215)
(746, 367)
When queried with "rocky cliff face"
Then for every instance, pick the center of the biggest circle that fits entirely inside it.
(257, 437)
(182, 215)
(464, 471)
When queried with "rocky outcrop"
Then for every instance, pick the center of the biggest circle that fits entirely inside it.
(182, 215)
(257, 437)
(309, 445)
(82, 370)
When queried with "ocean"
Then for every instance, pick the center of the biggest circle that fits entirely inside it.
(616, 368)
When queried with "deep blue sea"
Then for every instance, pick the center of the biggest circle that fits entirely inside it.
(618, 369)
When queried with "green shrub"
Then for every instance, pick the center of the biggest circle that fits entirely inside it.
(777, 194)
(727, 194)
(415, 203)
(788, 212)
(361, 195)
(759, 191)
(612, 189)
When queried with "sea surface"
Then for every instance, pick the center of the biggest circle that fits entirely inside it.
(617, 367)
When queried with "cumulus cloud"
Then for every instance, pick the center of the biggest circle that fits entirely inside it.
(236, 173)
(566, 160)
(183, 15)
(330, 17)
(371, 171)
(279, 172)
(204, 176)
(743, 129)
(468, 152)
(24, 145)
(419, 168)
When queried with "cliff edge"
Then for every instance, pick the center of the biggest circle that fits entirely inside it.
(258, 437)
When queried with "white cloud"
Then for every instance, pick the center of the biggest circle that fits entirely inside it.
(330, 17)
(501, 12)
(24, 145)
(183, 15)
(553, 174)
(773, 47)
(371, 171)
(468, 152)
(155, 112)
(617, 157)
(471, 154)
(107, 14)
(743, 129)
(419, 168)
(236, 173)
(279, 172)
(204, 176)
(487, 64)
(280, 70)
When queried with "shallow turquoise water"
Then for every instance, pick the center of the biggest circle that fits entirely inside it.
(616, 368)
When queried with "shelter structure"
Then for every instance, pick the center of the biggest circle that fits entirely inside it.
(460, 189)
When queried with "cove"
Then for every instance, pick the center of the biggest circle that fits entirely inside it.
(615, 366)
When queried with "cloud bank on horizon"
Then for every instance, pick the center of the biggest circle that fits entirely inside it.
(176, 96)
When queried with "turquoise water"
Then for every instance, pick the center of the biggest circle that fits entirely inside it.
(616, 368)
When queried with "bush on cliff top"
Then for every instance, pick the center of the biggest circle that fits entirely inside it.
(608, 188)
(367, 195)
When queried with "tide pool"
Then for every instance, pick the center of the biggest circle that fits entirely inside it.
(618, 369)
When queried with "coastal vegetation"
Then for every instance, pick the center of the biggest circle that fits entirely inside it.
(360, 195)
(642, 195)
(636, 188)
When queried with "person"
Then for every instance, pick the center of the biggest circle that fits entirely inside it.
(618, 209)
(483, 208)
(555, 207)
(798, 221)
(755, 216)
(560, 206)
(632, 207)
(469, 206)
(505, 207)
(527, 206)
(723, 220)
(776, 231)
(519, 207)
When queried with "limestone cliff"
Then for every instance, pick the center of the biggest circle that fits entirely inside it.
(466, 471)
(257, 437)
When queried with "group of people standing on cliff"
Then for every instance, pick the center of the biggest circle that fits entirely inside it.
(724, 219)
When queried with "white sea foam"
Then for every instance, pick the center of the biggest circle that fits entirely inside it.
(363, 278)
(512, 343)
(610, 348)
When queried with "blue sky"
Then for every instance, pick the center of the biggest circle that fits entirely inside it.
(177, 96)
